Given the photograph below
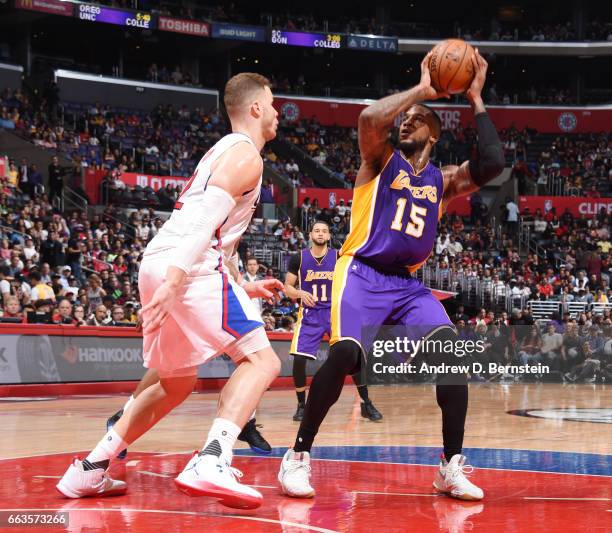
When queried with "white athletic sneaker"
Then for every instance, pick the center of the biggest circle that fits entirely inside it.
(450, 479)
(208, 475)
(80, 483)
(294, 475)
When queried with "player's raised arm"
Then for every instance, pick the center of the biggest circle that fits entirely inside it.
(490, 161)
(377, 120)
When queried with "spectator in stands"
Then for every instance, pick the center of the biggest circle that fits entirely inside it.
(95, 292)
(512, 214)
(40, 290)
(78, 315)
(460, 315)
(545, 289)
(287, 325)
(530, 348)
(586, 370)
(64, 308)
(252, 274)
(52, 250)
(5, 285)
(99, 317)
(552, 348)
(12, 308)
(56, 179)
(292, 167)
(24, 177)
(269, 322)
(118, 317)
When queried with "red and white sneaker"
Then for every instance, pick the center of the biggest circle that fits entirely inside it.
(80, 483)
(451, 479)
(208, 475)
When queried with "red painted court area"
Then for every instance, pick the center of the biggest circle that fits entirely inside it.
(351, 497)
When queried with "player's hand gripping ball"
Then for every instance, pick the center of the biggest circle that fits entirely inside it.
(451, 66)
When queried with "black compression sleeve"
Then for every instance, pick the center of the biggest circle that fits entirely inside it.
(490, 161)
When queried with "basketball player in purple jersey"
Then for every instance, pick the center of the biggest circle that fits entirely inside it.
(399, 197)
(309, 278)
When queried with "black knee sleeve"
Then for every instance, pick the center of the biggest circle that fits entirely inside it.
(299, 371)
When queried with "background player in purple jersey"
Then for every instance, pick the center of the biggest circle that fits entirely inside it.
(309, 279)
(399, 196)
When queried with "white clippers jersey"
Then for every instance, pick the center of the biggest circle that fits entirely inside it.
(188, 208)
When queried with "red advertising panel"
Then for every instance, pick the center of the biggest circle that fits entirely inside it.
(131, 179)
(547, 120)
(55, 7)
(188, 27)
(578, 206)
(329, 198)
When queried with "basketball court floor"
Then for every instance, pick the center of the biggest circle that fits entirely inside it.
(541, 452)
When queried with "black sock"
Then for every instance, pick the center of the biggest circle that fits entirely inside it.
(344, 358)
(301, 396)
(362, 388)
(299, 377)
(89, 465)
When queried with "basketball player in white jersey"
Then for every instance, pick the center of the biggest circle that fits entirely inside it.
(262, 289)
(193, 310)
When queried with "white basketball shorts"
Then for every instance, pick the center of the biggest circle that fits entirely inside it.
(210, 316)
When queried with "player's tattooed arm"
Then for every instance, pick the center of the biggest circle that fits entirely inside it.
(377, 120)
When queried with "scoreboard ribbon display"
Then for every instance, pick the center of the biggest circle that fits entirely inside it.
(310, 40)
(134, 19)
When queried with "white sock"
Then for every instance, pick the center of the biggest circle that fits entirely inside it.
(253, 415)
(225, 433)
(128, 403)
(108, 448)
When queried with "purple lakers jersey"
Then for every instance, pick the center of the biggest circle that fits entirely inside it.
(316, 277)
(395, 216)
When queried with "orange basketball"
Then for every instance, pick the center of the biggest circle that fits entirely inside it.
(451, 66)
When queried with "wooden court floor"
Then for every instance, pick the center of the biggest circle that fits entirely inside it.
(411, 418)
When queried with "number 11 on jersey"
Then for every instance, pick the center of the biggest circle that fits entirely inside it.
(323, 293)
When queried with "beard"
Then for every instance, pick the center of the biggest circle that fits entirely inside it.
(320, 242)
(411, 146)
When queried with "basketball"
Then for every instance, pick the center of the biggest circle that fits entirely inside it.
(451, 66)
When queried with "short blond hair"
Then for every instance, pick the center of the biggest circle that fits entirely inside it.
(240, 87)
